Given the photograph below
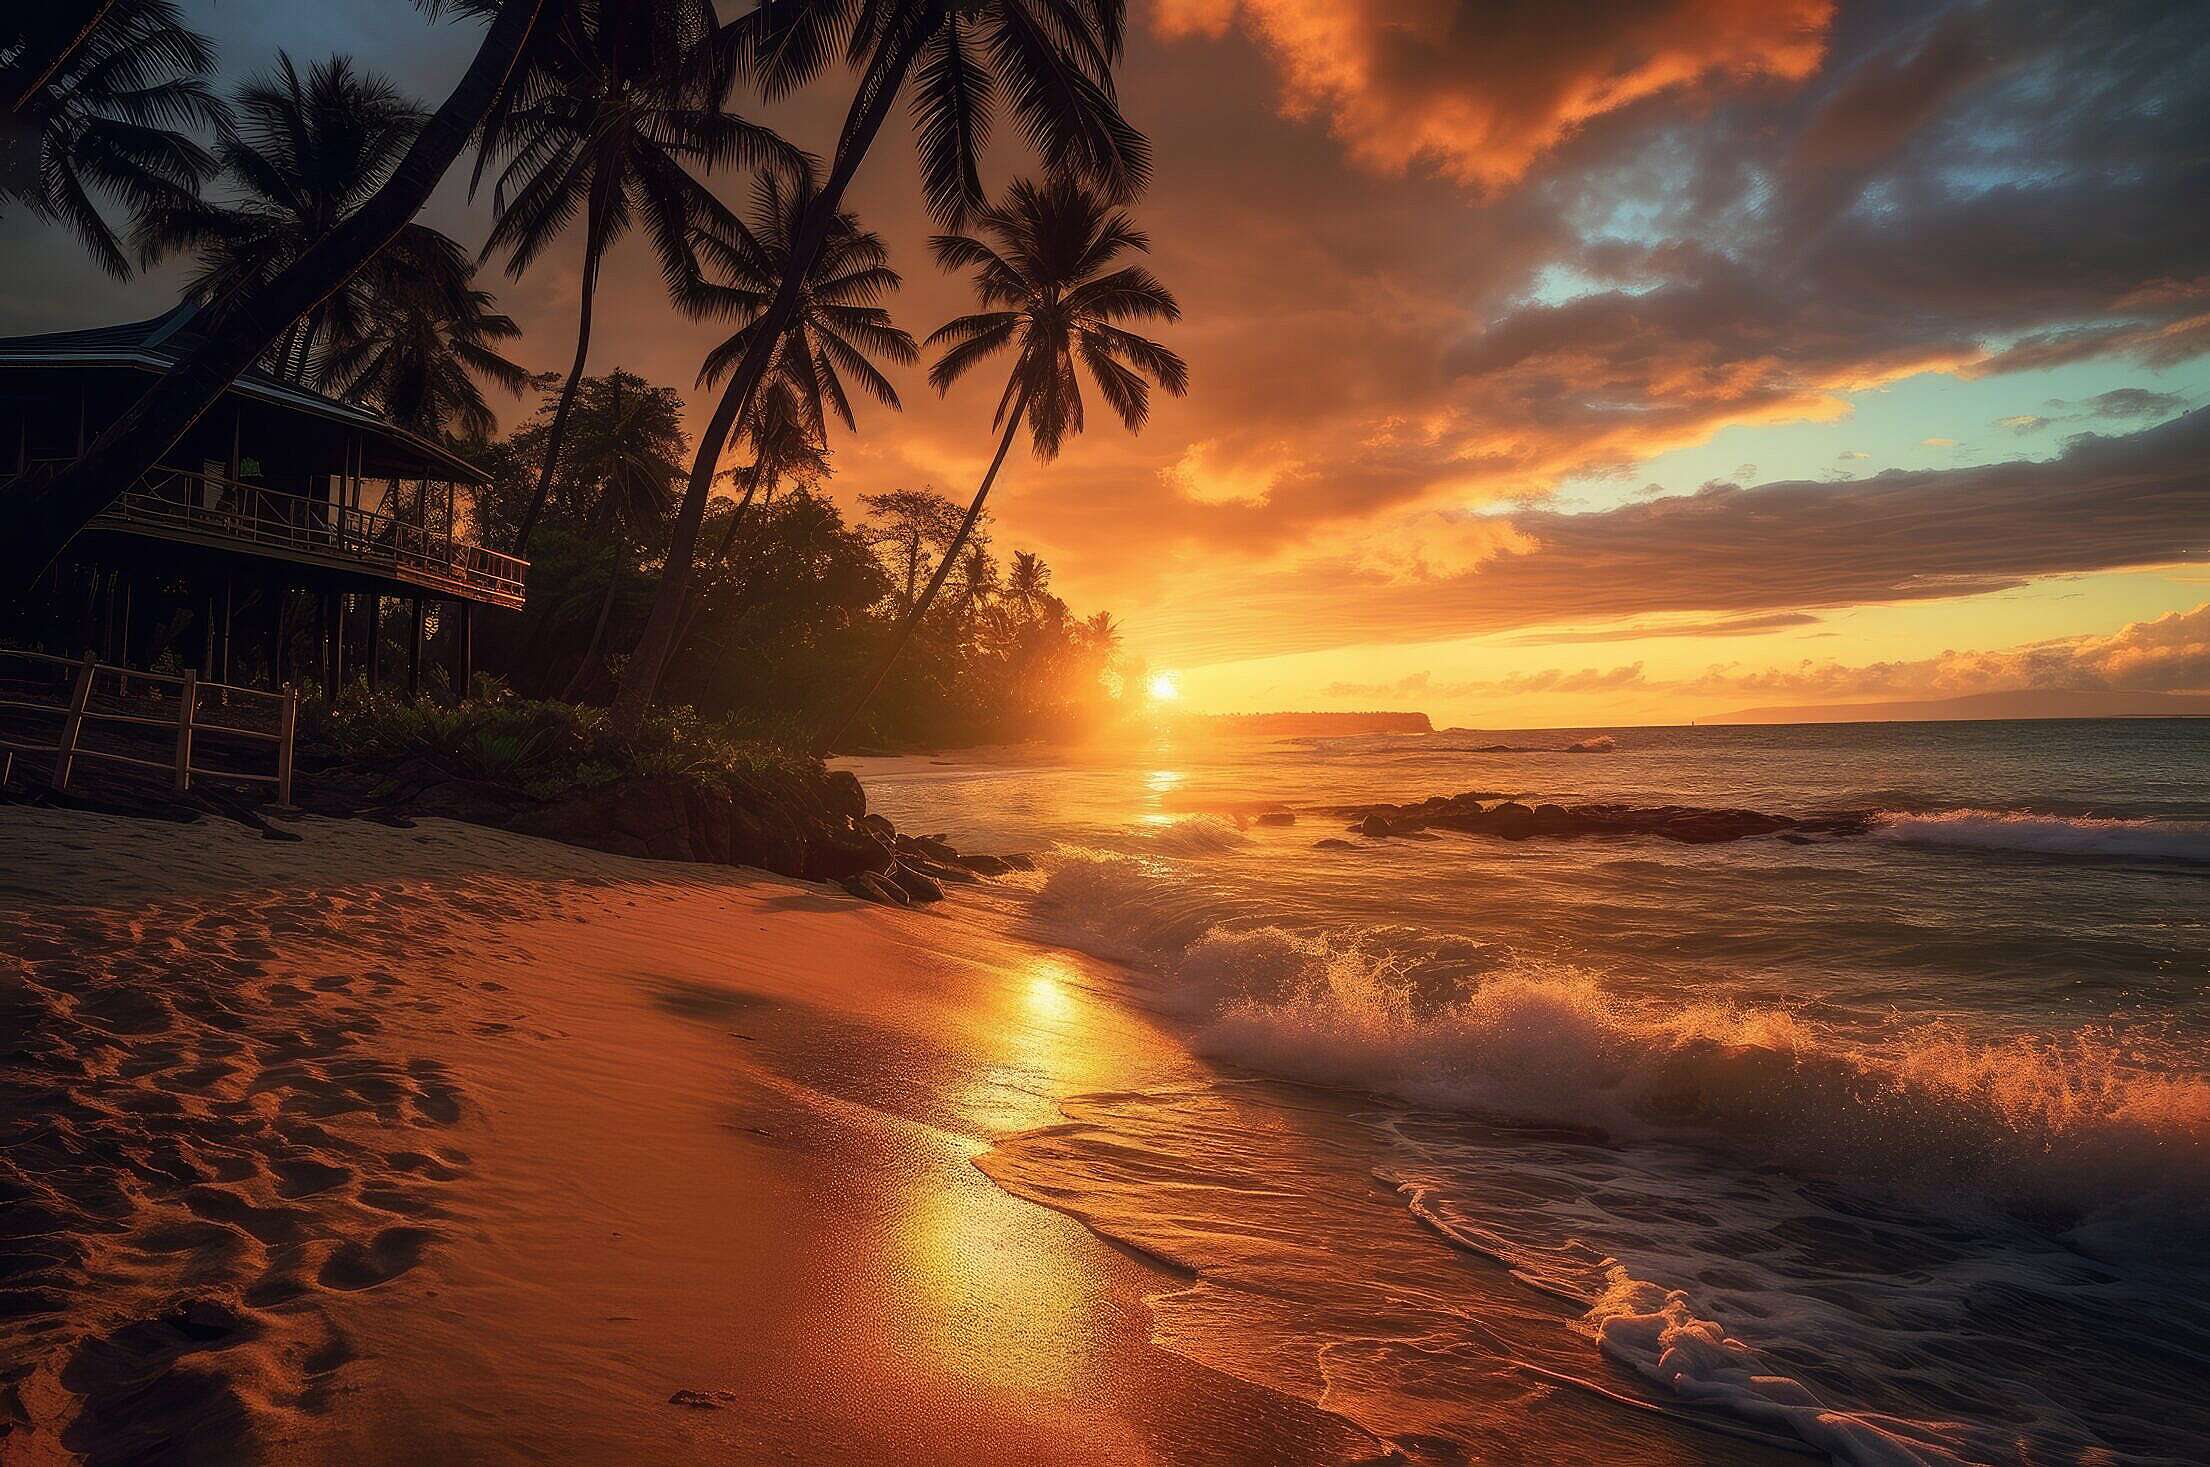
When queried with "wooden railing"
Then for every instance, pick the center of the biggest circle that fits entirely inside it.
(183, 504)
(178, 716)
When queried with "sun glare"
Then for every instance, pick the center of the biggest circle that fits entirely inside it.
(1164, 688)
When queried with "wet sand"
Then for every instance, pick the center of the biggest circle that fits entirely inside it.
(448, 1145)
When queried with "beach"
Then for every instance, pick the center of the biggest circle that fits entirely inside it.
(394, 1145)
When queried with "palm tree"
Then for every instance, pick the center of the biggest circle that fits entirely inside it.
(628, 449)
(621, 108)
(839, 322)
(303, 154)
(39, 518)
(101, 114)
(1048, 62)
(1045, 274)
(1029, 584)
(421, 360)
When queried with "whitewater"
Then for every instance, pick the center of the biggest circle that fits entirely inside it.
(1890, 1146)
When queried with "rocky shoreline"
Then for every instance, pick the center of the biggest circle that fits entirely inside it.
(813, 825)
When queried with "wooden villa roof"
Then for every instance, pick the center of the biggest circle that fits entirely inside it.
(159, 343)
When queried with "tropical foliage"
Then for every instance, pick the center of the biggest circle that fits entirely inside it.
(296, 204)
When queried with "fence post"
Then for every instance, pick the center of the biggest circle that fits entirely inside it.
(81, 694)
(187, 704)
(286, 721)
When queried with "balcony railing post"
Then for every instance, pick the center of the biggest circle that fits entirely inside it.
(66, 755)
(187, 703)
(286, 721)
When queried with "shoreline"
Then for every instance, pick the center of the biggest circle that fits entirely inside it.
(391, 1145)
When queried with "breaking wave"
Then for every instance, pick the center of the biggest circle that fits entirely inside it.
(2072, 1130)
(1192, 835)
(2053, 835)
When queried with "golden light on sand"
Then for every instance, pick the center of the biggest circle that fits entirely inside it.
(1164, 687)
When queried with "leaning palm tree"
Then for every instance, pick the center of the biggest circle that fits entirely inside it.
(839, 327)
(1044, 271)
(103, 113)
(425, 358)
(41, 516)
(1047, 62)
(616, 121)
(304, 152)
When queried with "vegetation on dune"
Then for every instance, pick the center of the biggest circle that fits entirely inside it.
(540, 748)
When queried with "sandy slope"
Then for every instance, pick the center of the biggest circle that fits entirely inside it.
(443, 1144)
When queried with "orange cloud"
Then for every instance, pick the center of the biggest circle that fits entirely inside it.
(1482, 92)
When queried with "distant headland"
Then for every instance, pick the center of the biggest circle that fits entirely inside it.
(1281, 724)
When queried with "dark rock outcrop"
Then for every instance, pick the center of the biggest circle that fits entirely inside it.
(1514, 820)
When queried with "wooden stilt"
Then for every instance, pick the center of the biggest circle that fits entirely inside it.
(337, 642)
(373, 653)
(280, 626)
(414, 649)
(467, 647)
(224, 627)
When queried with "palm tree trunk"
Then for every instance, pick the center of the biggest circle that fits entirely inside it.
(594, 245)
(584, 669)
(864, 119)
(30, 73)
(39, 519)
(714, 561)
(835, 732)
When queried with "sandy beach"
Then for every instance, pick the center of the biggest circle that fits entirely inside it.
(401, 1145)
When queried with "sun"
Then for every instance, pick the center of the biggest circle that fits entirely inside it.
(1164, 688)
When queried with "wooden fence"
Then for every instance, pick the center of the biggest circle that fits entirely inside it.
(178, 719)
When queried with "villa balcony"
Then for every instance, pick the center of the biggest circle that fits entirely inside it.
(217, 513)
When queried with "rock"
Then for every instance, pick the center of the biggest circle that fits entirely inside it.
(1333, 843)
(984, 865)
(880, 827)
(1375, 826)
(1019, 860)
(703, 1400)
(843, 795)
(915, 885)
(873, 888)
(1274, 817)
(1511, 820)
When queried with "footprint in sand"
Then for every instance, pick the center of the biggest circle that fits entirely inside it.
(357, 1265)
(305, 1177)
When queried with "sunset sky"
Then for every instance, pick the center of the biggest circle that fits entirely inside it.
(1563, 363)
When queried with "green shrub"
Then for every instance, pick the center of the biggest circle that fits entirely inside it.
(540, 747)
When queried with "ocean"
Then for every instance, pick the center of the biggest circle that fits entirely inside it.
(1891, 1147)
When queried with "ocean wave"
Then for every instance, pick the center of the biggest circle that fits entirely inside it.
(2062, 1127)
(1193, 835)
(2053, 835)
(2072, 1129)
